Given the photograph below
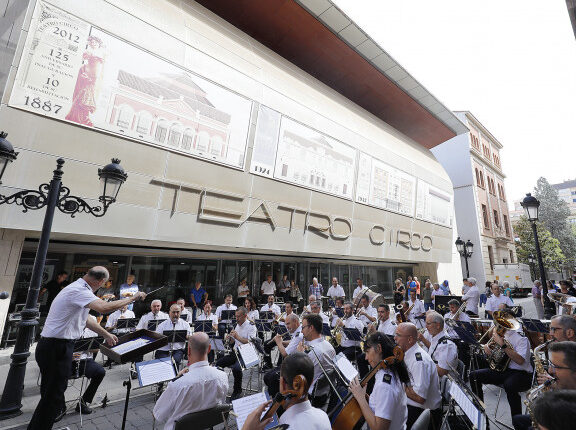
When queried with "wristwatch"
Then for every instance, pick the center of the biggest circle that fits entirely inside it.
(504, 345)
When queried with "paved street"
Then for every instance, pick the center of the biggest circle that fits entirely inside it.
(142, 399)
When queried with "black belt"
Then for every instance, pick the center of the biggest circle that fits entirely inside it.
(55, 339)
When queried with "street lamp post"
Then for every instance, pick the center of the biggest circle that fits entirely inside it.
(53, 195)
(531, 206)
(465, 249)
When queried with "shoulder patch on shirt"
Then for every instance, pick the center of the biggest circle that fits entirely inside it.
(387, 378)
(418, 356)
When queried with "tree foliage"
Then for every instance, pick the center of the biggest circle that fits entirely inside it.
(552, 254)
(553, 214)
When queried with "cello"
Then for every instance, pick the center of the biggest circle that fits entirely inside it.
(285, 399)
(348, 414)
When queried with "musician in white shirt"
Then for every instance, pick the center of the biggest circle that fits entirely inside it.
(386, 408)
(198, 387)
(417, 310)
(113, 318)
(454, 306)
(207, 315)
(350, 348)
(472, 297)
(366, 313)
(241, 334)
(360, 288)
(316, 308)
(424, 391)
(185, 314)
(268, 286)
(173, 323)
(497, 301)
(227, 306)
(270, 306)
(154, 314)
(335, 291)
(339, 303)
(385, 325)
(441, 349)
(251, 308)
(320, 351)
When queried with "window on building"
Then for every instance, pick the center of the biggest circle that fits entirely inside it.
(216, 146)
(496, 218)
(187, 139)
(161, 131)
(511, 256)
(174, 136)
(144, 123)
(203, 141)
(284, 170)
(506, 228)
(485, 217)
(125, 116)
(491, 257)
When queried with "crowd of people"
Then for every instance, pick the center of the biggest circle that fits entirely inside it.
(401, 350)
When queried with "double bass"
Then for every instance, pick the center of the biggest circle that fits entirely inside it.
(348, 414)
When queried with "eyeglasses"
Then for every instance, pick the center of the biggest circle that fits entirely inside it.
(553, 329)
(305, 326)
(553, 366)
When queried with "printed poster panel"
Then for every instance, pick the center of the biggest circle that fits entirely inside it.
(73, 71)
(433, 204)
(292, 152)
(384, 186)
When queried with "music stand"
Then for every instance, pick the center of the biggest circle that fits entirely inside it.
(88, 344)
(263, 326)
(228, 315)
(352, 334)
(127, 324)
(535, 325)
(283, 331)
(184, 317)
(247, 355)
(465, 331)
(326, 330)
(217, 344)
(205, 325)
(175, 336)
(267, 315)
(155, 371)
(153, 324)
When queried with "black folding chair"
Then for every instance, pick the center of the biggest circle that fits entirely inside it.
(206, 419)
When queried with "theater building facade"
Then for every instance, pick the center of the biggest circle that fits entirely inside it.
(259, 138)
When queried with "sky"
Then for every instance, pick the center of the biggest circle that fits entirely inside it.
(511, 63)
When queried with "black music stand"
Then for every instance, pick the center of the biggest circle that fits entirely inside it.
(204, 325)
(326, 330)
(283, 331)
(267, 315)
(217, 344)
(184, 317)
(352, 334)
(127, 324)
(465, 331)
(153, 324)
(535, 325)
(263, 326)
(88, 344)
(176, 336)
(228, 315)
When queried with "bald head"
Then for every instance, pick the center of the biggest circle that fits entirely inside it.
(406, 336)
(198, 347)
(96, 277)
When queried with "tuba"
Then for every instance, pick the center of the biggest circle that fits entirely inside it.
(503, 321)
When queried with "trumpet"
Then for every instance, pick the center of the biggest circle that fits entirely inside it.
(459, 311)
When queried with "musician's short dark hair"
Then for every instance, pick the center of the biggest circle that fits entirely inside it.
(228, 295)
(365, 297)
(385, 306)
(567, 283)
(454, 302)
(297, 363)
(566, 321)
(555, 409)
(340, 299)
(315, 321)
(348, 304)
(180, 298)
(98, 273)
(387, 346)
(62, 272)
(568, 348)
(289, 303)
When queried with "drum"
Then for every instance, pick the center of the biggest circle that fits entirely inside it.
(374, 299)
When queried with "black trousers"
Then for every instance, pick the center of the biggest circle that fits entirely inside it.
(177, 355)
(230, 360)
(351, 352)
(272, 381)
(268, 347)
(93, 371)
(414, 412)
(54, 358)
(513, 381)
(522, 422)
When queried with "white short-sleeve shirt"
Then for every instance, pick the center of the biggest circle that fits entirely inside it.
(118, 314)
(423, 377)
(521, 345)
(387, 327)
(370, 311)
(69, 311)
(472, 297)
(274, 308)
(388, 399)
(224, 307)
(352, 322)
(493, 303)
(268, 287)
(246, 330)
(335, 291)
(211, 317)
(305, 416)
(442, 351)
(168, 326)
(143, 323)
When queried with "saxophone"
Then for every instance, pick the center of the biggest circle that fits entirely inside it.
(536, 391)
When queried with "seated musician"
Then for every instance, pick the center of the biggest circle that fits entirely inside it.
(241, 334)
(562, 367)
(416, 314)
(336, 291)
(424, 391)
(350, 348)
(176, 349)
(555, 410)
(270, 306)
(386, 326)
(300, 414)
(339, 304)
(207, 315)
(563, 328)
(516, 378)
(198, 386)
(270, 345)
(183, 311)
(227, 306)
(366, 313)
(441, 349)
(288, 310)
(311, 299)
(316, 308)
(123, 313)
(497, 301)
(320, 351)
(471, 297)
(88, 367)
(285, 348)
(154, 314)
(386, 409)
(251, 308)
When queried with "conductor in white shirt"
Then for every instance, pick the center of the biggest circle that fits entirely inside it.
(198, 387)
(67, 318)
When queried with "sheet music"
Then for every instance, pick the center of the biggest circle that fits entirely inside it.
(249, 355)
(130, 345)
(245, 405)
(345, 367)
(465, 403)
(217, 344)
(155, 371)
